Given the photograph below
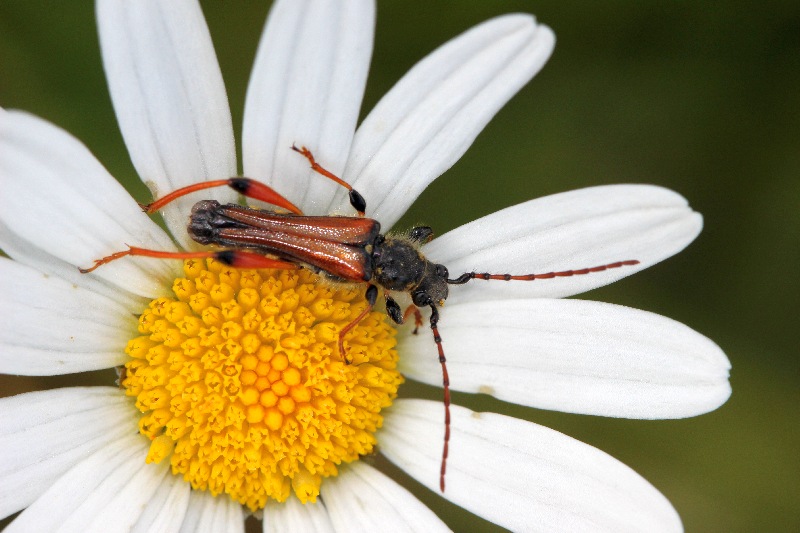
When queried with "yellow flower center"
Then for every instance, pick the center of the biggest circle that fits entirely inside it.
(242, 387)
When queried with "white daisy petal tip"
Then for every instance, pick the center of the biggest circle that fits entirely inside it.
(574, 356)
(568, 231)
(65, 218)
(308, 77)
(523, 476)
(426, 122)
(169, 97)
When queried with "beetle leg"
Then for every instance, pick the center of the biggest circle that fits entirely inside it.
(417, 317)
(246, 186)
(421, 234)
(393, 310)
(356, 200)
(235, 258)
(372, 297)
(245, 259)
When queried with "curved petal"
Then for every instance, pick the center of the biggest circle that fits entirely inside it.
(431, 116)
(27, 253)
(60, 199)
(574, 356)
(30, 254)
(106, 492)
(54, 327)
(169, 97)
(292, 515)
(522, 476)
(43, 434)
(567, 231)
(210, 514)
(362, 499)
(306, 88)
(165, 511)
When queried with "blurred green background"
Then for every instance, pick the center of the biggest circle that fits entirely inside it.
(702, 98)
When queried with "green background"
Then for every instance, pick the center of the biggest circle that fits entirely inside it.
(702, 98)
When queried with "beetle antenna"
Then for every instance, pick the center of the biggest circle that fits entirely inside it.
(467, 276)
(434, 320)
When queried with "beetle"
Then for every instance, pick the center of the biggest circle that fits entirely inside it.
(340, 248)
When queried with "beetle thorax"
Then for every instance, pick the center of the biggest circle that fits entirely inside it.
(398, 265)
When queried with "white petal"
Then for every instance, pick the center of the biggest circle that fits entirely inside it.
(574, 356)
(292, 515)
(362, 499)
(567, 231)
(118, 504)
(432, 115)
(29, 254)
(106, 492)
(60, 199)
(166, 509)
(54, 327)
(169, 97)
(44, 434)
(306, 89)
(211, 514)
(522, 476)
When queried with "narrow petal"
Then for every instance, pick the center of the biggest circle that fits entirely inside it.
(169, 97)
(306, 88)
(106, 492)
(166, 509)
(568, 231)
(292, 515)
(211, 514)
(362, 499)
(432, 115)
(58, 198)
(54, 327)
(574, 356)
(30, 255)
(522, 476)
(120, 500)
(44, 434)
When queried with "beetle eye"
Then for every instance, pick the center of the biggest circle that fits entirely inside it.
(421, 234)
(441, 271)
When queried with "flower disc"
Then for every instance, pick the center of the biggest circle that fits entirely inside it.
(242, 387)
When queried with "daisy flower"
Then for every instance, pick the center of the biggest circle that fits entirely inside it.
(233, 398)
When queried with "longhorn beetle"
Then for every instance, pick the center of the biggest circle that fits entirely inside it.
(340, 248)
